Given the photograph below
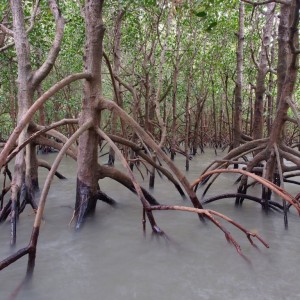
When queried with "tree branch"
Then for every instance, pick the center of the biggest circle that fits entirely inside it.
(137, 187)
(106, 104)
(32, 110)
(45, 164)
(111, 76)
(127, 86)
(33, 15)
(6, 30)
(32, 20)
(280, 192)
(36, 134)
(286, 2)
(42, 202)
(139, 151)
(40, 140)
(294, 109)
(210, 215)
(46, 67)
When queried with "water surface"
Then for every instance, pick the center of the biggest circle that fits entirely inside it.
(111, 258)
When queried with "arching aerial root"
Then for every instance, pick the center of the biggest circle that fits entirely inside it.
(273, 205)
(31, 248)
(137, 187)
(210, 215)
(279, 191)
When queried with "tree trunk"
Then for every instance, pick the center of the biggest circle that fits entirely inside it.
(258, 120)
(25, 98)
(174, 96)
(116, 70)
(87, 182)
(283, 49)
(287, 65)
(25, 175)
(188, 121)
(237, 121)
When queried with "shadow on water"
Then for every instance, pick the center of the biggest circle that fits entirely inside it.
(24, 284)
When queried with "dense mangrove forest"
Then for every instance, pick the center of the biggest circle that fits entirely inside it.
(133, 94)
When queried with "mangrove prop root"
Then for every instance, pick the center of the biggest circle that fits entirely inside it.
(105, 198)
(234, 195)
(38, 133)
(137, 187)
(32, 110)
(210, 215)
(31, 248)
(279, 191)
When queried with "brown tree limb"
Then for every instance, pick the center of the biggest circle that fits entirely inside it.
(118, 176)
(31, 21)
(46, 165)
(46, 67)
(42, 202)
(280, 192)
(111, 76)
(238, 154)
(56, 134)
(6, 30)
(210, 215)
(294, 109)
(289, 150)
(254, 3)
(31, 248)
(279, 167)
(36, 134)
(137, 187)
(290, 157)
(147, 158)
(51, 143)
(274, 205)
(32, 110)
(106, 104)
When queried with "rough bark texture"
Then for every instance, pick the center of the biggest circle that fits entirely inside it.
(287, 66)
(25, 98)
(283, 48)
(174, 95)
(25, 178)
(239, 81)
(87, 181)
(116, 70)
(262, 69)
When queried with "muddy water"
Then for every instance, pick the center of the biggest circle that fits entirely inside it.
(111, 258)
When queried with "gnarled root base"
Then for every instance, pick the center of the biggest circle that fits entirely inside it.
(86, 200)
(266, 167)
(26, 196)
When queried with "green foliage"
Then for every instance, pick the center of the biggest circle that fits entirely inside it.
(207, 46)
